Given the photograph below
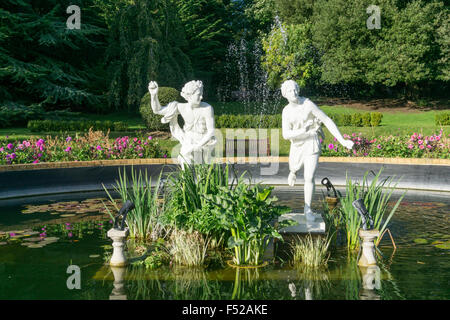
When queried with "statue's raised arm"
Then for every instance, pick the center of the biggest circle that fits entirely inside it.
(154, 101)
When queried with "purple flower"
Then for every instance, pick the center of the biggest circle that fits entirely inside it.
(10, 146)
(331, 146)
(99, 148)
(13, 155)
(12, 234)
(68, 139)
(70, 234)
(68, 149)
(39, 155)
(150, 137)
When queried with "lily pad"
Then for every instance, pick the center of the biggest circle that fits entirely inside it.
(447, 236)
(67, 215)
(34, 246)
(445, 245)
(33, 239)
(437, 242)
(94, 256)
(51, 239)
(421, 241)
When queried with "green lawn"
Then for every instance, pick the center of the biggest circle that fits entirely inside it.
(392, 123)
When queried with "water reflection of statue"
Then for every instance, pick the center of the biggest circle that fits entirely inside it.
(197, 136)
(301, 121)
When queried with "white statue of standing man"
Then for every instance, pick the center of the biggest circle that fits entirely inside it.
(197, 135)
(301, 121)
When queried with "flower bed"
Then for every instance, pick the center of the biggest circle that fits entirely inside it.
(86, 147)
(402, 146)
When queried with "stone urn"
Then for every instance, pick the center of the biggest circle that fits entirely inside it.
(368, 247)
(119, 238)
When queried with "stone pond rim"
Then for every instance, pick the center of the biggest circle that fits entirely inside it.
(64, 177)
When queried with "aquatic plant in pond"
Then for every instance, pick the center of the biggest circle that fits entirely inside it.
(376, 200)
(188, 248)
(187, 207)
(250, 215)
(311, 252)
(142, 221)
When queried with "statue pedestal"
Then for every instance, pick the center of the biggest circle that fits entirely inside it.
(118, 293)
(368, 247)
(118, 237)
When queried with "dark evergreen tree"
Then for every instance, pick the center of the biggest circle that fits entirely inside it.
(146, 43)
(43, 64)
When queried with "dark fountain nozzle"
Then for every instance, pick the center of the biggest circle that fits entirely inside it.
(363, 213)
(127, 206)
(327, 183)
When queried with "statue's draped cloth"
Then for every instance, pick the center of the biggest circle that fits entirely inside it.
(303, 147)
(191, 134)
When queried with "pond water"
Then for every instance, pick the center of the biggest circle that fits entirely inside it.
(52, 232)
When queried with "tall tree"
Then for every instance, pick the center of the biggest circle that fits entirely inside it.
(42, 62)
(146, 43)
(208, 29)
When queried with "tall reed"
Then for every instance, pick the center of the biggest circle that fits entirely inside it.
(143, 220)
(376, 200)
(188, 248)
(311, 253)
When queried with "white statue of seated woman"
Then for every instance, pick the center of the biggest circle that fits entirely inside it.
(197, 135)
(301, 120)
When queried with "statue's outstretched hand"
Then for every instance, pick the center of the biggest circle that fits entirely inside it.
(348, 144)
(153, 88)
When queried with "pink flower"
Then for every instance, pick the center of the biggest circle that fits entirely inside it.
(331, 146)
(68, 149)
(140, 155)
(438, 138)
(420, 142)
(410, 146)
(429, 146)
(421, 147)
(99, 148)
(379, 146)
(365, 154)
(165, 156)
(1, 149)
(35, 161)
(9, 146)
(39, 155)
(431, 138)
(353, 135)
(70, 235)
(150, 137)
(12, 234)
(13, 155)
(354, 152)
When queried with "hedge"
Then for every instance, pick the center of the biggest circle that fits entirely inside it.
(442, 119)
(274, 121)
(57, 126)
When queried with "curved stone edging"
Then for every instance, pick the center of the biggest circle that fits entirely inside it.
(242, 160)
